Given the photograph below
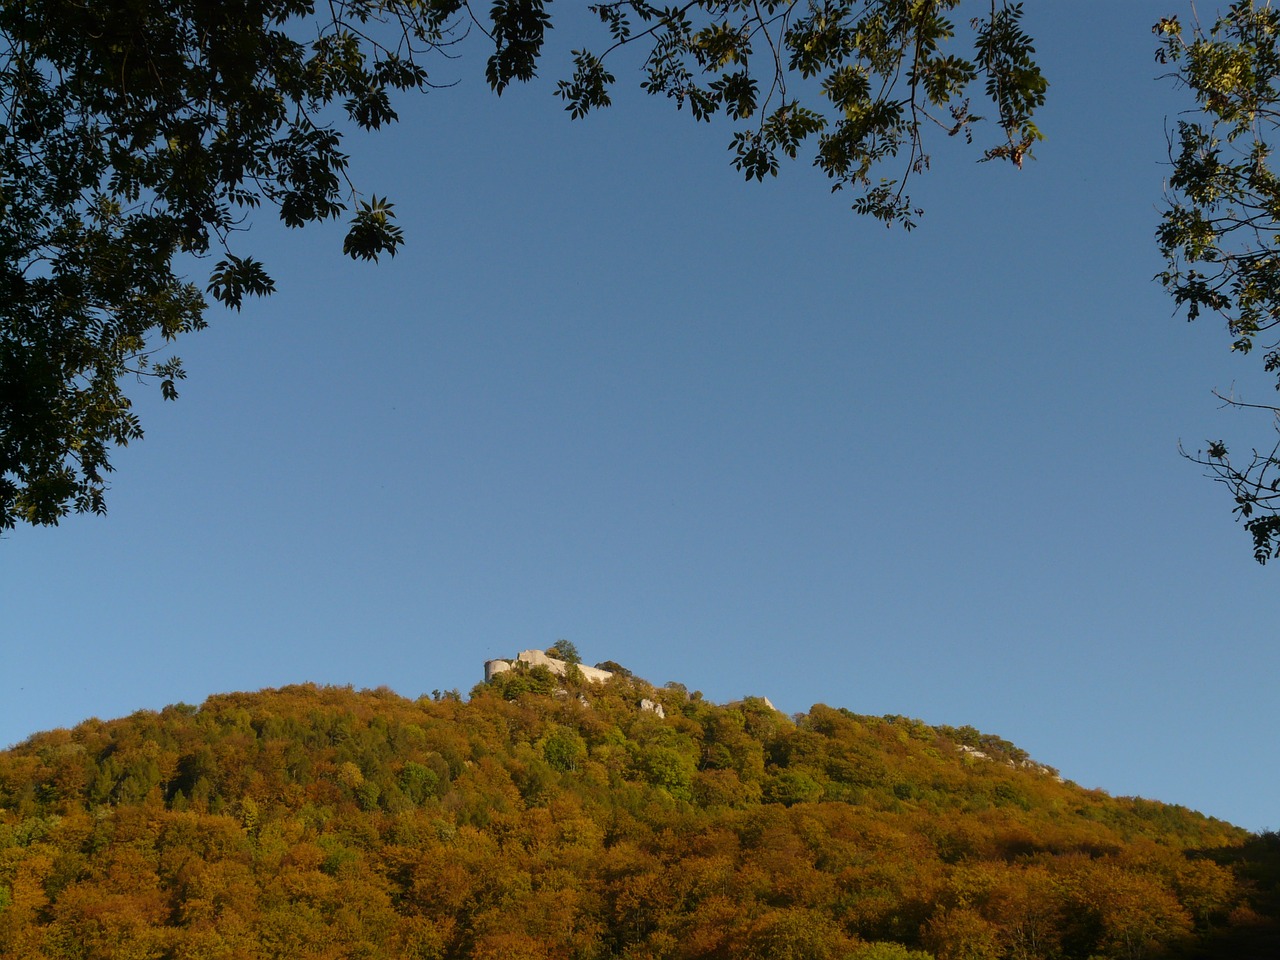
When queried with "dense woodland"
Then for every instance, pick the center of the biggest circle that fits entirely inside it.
(544, 818)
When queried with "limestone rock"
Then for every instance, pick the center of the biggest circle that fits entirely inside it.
(651, 707)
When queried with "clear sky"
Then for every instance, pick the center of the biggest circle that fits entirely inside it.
(725, 434)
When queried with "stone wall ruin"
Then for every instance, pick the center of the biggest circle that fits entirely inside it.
(536, 658)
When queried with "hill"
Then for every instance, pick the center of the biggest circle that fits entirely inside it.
(550, 817)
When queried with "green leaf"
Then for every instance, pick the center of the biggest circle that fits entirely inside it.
(371, 232)
(235, 277)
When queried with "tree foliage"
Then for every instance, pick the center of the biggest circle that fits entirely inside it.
(135, 134)
(867, 79)
(1220, 230)
(132, 134)
(564, 650)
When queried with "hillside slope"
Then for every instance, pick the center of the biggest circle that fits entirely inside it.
(547, 818)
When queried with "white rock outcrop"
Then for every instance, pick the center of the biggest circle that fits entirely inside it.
(1039, 768)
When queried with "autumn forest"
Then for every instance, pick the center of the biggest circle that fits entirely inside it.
(545, 817)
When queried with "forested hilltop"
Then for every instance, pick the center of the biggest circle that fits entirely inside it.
(550, 817)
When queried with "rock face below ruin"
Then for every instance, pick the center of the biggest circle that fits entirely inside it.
(535, 658)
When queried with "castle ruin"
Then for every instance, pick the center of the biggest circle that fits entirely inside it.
(536, 658)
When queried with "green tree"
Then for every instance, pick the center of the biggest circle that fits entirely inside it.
(614, 667)
(563, 650)
(1221, 224)
(419, 782)
(791, 787)
(564, 749)
(667, 767)
(132, 134)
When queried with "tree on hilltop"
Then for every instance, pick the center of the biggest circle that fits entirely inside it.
(563, 650)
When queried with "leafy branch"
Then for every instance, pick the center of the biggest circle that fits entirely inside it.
(1220, 229)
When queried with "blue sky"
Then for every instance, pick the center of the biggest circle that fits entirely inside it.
(725, 434)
